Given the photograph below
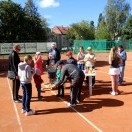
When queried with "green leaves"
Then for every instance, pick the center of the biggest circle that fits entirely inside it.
(18, 24)
(82, 30)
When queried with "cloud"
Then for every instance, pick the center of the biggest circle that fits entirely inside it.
(48, 3)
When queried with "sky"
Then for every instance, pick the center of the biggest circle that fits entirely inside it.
(67, 12)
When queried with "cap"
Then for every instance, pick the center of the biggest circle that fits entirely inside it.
(38, 52)
(89, 48)
(37, 71)
(68, 53)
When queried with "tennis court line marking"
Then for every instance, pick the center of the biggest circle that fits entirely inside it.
(83, 117)
(16, 111)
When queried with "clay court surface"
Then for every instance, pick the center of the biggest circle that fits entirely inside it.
(99, 112)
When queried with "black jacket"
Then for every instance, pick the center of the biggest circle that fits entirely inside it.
(13, 62)
(71, 72)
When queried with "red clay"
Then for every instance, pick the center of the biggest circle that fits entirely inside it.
(106, 112)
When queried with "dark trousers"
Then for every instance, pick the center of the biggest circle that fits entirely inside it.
(61, 90)
(75, 92)
(15, 88)
(27, 94)
(39, 91)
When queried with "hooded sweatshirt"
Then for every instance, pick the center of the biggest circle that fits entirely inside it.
(24, 73)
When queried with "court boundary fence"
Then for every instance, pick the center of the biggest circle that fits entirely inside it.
(101, 45)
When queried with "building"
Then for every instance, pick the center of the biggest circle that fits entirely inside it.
(60, 38)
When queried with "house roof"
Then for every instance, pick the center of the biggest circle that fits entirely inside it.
(60, 30)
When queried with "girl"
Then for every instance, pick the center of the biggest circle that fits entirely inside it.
(114, 61)
(38, 62)
(80, 58)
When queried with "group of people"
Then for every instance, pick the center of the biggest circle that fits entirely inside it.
(59, 72)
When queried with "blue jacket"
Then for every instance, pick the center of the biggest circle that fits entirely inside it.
(123, 56)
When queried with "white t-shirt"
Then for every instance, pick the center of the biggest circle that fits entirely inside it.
(89, 59)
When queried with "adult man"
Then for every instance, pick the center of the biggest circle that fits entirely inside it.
(55, 52)
(123, 55)
(77, 77)
(14, 60)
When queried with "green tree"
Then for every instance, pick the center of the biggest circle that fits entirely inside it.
(127, 30)
(11, 21)
(37, 26)
(117, 12)
(82, 30)
(102, 31)
(101, 17)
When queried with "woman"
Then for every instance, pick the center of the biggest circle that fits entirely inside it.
(80, 58)
(38, 62)
(114, 61)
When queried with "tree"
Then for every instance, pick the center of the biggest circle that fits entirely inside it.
(127, 30)
(101, 17)
(117, 12)
(11, 21)
(102, 31)
(82, 30)
(37, 26)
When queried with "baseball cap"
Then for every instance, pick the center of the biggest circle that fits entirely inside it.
(89, 48)
(68, 53)
(38, 52)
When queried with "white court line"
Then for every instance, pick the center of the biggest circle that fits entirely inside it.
(108, 74)
(16, 111)
(87, 120)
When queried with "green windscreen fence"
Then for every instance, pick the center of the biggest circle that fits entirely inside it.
(100, 45)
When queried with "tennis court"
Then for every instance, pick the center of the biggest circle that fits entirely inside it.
(99, 112)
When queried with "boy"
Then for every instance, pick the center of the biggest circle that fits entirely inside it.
(25, 75)
(58, 77)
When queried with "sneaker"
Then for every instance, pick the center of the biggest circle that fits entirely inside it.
(113, 93)
(71, 105)
(31, 112)
(77, 101)
(23, 111)
(17, 101)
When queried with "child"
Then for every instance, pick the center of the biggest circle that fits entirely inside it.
(38, 80)
(38, 62)
(90, 60)
(51, 68)
(58, 77)
(25, 75)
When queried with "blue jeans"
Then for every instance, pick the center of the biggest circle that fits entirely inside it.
(80, 66)
(121, 75)
(27, 94)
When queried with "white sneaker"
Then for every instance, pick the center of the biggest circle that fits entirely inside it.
(71, 105)
(113, 93)
(31, 112)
